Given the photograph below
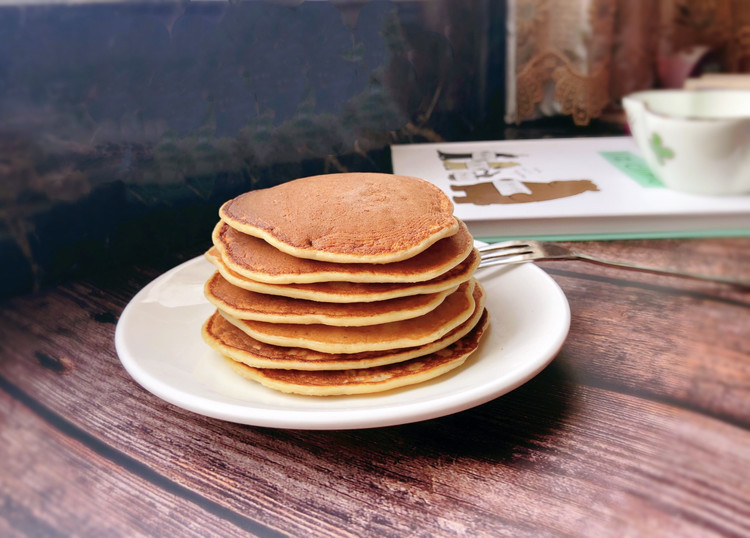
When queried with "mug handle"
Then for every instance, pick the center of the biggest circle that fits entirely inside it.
(635, 110)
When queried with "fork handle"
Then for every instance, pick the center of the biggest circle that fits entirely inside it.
(739, 282)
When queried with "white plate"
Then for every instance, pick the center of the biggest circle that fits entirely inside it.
(159, 344)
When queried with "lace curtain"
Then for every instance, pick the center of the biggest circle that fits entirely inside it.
(579, 57)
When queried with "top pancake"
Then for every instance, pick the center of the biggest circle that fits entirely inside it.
(257, 260)
(346, 218)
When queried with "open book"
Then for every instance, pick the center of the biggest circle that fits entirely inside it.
(573, 188)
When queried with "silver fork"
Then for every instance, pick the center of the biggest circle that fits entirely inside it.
(519, 251)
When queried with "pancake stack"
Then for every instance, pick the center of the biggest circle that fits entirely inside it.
(343, 284)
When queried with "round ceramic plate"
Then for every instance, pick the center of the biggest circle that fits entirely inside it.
(159, 343)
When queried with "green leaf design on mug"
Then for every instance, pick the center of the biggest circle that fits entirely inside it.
(662, 152)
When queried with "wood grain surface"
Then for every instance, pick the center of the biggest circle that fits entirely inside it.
(639, 427)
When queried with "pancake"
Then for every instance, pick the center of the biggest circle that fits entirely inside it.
(346, 218)
(258, 260)
(231, 342)
(368, 380)
(351, 292)
(245, 304)
(452, 312)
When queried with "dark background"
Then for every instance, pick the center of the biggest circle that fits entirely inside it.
(124, 126)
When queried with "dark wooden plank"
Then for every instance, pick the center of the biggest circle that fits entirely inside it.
(688, 345)
(566, 453)
(54, 484)
(714, 256)
(548, 459)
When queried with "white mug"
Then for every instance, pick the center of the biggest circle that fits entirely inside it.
(694, 141)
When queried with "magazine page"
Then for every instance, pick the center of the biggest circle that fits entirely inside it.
(583, 187)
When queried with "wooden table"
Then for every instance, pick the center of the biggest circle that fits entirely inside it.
(639, 427)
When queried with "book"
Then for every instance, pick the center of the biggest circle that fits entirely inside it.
(566, 189)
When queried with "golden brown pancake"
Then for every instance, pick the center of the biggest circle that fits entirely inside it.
(452, 312)
(346, 218)
(351, 292)
(231, 342)
(368, 380)
(245, 304)
(258, 260)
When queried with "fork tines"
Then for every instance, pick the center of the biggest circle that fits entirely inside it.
(505, 252)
